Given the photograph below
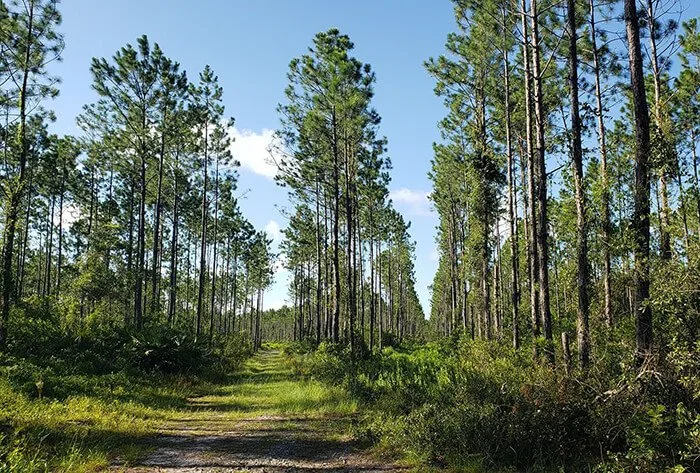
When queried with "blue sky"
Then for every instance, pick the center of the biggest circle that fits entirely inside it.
(249, 44)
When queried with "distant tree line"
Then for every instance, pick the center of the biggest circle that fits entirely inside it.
(348, 249)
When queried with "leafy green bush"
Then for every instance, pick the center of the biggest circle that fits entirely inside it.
(167, 352)
(461, 402)
(231, 351)
(24, 376)
(302, 347)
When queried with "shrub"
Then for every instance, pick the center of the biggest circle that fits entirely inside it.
(167, 352)
(461, 402)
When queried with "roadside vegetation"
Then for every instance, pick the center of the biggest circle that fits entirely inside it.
(72, 398)
(476, 405)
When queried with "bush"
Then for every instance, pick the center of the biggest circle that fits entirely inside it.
(169, 352)
(46, 358)
(231, 351)
(461, 402)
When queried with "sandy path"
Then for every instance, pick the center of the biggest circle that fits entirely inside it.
(247, 429)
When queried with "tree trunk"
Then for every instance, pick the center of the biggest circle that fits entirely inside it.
(336, 225)
(59, 257)
(566, 352)
(16, 194)
(532, 211)
(542, 222)
(372, 311)
(172, 298)
(664, 208)
(512, 199)
(155, 276)
(25, 239)
(235, 282)
(203, 242)
(130, 244)
(327, 323)
(215, 241)
(642, 206)
(582, 313)
(319, 280)
(605, 196)
(49, 246)
(140, 248)
(379, 273)
(349, 220)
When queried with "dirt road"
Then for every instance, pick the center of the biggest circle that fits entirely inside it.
(267, 421)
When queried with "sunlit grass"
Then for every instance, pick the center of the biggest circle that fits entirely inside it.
(266, 386)
(85, 432)
(281, 397)
(80, 433)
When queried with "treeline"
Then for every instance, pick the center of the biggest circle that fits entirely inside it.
(136, 223)
(349, 251)
(565, 312)
(567, 180)
(566, 186)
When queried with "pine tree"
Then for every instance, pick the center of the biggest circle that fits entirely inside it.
(213, 141)
(642, 186)
(30, 42)
(583, 331)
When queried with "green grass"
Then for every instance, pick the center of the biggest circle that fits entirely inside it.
(114, 417)
(266, 386)
(81, 432)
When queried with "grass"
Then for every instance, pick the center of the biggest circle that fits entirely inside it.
(82, 431)
(114, 417)
(267, 387)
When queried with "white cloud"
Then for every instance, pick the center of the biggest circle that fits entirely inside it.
(255, 151)
(417, 202)
(435, 254)
(71, 213)
(273, 231)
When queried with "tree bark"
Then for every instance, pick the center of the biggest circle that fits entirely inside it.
(512, 210)
(59, 256)
(172, 297)
(203, 242)
(16, 194)
(319, 280)
(336, 225)
(542, 222)
(664, 208)
(582, 313)
(155, 276)
(532, 210)
(215, 238)
(603, 151)
(642, 205)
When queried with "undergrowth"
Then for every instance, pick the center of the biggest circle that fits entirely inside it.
(467, 405)
(73, 396)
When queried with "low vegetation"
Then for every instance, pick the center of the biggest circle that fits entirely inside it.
(73, 398)
(476, 405)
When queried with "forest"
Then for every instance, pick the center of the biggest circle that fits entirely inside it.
(562, 330)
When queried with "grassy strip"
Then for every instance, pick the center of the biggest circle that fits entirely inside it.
(111, 416)
(478, 406)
